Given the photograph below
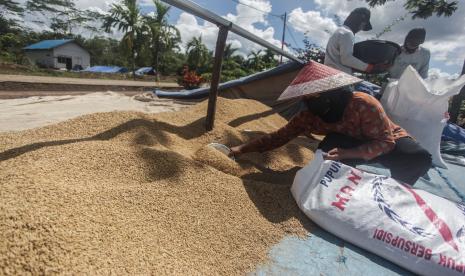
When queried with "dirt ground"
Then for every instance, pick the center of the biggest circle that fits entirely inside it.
(34, 93)
(19, 86)
(83, 81)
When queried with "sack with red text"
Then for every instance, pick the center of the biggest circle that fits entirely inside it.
(415, 229)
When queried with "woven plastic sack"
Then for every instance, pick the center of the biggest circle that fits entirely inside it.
(419, 106)
(416, 230)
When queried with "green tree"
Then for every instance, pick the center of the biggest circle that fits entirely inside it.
(105, 51)
(198, 56)
(232, 65)
(164, 37)
(229, 51)
(9, 7)
(126, 18)
(269, 59)
(11, 47)
(423, 8)
(255, 61)
(8, 26)
(172, 63)
(64, 15)
(311, 51)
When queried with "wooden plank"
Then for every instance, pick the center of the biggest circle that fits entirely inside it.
(219, 52)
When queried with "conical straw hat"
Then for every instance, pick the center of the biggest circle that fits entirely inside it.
(316, 78)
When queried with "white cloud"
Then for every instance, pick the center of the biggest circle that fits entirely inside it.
(340, 7)
(246, 17)
(313, 24)
(435, 73)
(189, 27)
(445, 35)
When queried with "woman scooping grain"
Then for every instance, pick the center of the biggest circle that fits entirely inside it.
(357, 129)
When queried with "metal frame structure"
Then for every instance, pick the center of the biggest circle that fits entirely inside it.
(224, 27)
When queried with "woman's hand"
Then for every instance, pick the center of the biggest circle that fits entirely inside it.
(235, 151)
(337, 154)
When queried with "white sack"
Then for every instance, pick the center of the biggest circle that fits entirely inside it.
(419, 106)
(417, 230)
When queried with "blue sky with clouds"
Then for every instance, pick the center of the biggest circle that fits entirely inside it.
(445, 36)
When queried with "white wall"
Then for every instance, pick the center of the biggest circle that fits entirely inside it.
(74, 51)
(41, 57)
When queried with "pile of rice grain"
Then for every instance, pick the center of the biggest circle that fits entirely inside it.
(132, 193)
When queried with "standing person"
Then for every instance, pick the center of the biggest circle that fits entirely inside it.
(412, 54)
(356, 126)
(340, 47)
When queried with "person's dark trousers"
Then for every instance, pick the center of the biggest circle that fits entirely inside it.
(407, 162)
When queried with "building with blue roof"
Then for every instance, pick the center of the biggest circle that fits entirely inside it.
(58, 54)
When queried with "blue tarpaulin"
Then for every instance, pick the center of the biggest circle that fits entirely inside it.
(106, 69)
(369, 88)
(145, 71)
(453, 132)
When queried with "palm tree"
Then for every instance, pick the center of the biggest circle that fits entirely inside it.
(229, 51)
(255, 61)
(197, 53)
(126, 18)
(163, 35)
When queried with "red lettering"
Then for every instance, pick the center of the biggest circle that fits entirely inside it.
(442, 260)
(459, 267)
(384, 235)
(428, 254)
(421, 251)
(388, 237)
(354, 177)
(450, 263)
(341, 203)
(347, 190)
(394, 241)
(414, 249)
(407, 246)
(380, 234)
(374, 235)
(401, 240)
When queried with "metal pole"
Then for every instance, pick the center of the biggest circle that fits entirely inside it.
(216, 74)
(284, 36)
(209, 16)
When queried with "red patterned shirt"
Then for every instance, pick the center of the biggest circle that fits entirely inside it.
(364, 119)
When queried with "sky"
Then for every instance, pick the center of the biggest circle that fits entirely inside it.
(316, 19)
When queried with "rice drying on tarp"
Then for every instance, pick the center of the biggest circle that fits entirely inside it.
(132, 193)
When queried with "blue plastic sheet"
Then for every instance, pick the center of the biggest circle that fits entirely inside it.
(145, 71)
(453, 132)
(106, 69)
(369, 88)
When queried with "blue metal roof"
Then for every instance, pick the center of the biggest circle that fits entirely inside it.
(47, 44)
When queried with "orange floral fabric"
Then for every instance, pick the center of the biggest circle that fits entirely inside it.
(364, 119)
